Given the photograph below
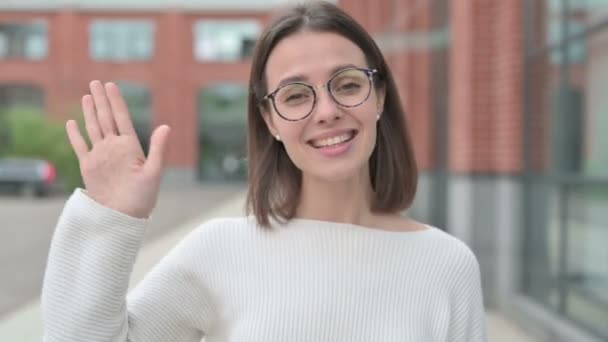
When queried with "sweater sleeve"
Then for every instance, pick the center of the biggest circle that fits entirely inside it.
(84, 295)
(467, 323)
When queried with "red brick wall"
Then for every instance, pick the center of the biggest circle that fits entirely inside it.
(485, 75)
(485, 87)
(507, 81)
(173, 76)
(38, 73)
(485, 80)
(411, 68)
(419, 93)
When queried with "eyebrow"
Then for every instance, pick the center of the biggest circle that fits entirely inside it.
(302, 78)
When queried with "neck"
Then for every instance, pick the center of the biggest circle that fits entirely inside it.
(347, 201)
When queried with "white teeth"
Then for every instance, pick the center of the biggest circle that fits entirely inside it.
(332, 140)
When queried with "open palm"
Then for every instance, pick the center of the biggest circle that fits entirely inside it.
(115, 171)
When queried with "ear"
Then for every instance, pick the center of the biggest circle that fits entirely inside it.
(380, 96)
(268, 119)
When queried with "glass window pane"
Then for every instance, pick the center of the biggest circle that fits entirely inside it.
(24, 98)
(587, 258)
(567, 199)
(588, 12)
(224, 40)
(222, 121)
(138, 100)
(3, 45)
(23, 40)
(566, 257)
(594, 85)
(35, 47)
(541, 245)
(121, 40)
(18, 95)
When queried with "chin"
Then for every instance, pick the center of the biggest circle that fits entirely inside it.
(337, 174)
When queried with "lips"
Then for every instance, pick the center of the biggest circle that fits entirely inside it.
(334, 140)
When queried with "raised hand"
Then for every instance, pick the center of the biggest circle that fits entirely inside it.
(115, 171)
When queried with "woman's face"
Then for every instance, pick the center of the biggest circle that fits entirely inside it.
(334, 142)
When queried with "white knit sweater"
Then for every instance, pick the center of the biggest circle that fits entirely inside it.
(231, 281)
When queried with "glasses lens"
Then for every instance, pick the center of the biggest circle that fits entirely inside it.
(294, 101)
(350, 87)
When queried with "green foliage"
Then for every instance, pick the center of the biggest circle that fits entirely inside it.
(28, 133)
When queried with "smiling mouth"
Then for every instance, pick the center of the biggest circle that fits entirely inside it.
(333, 141)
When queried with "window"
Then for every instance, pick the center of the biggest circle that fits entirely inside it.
(224, 40)
(567, 163)
(222, 114)
(13, 96)
(138, 100)
(23, 41)
(121, 40)
(17, 97)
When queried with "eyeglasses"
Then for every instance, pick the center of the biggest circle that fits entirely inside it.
(348, 87)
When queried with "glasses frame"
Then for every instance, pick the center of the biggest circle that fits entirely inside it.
(370, 76)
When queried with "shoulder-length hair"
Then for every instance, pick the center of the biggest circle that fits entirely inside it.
(274, 181)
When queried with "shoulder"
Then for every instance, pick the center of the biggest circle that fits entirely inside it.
(453, 246)
(455, 254)
(212, 239)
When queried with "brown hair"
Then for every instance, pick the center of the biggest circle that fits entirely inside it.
(274, 181)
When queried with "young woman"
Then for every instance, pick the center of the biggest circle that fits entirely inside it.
(326, 254)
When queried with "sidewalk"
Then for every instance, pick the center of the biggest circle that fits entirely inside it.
(25, 324)
(501, 329)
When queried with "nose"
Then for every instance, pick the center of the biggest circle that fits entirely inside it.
(326, 109)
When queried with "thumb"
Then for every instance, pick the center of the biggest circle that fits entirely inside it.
(158, 148)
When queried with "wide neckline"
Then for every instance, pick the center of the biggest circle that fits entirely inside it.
(356, 227)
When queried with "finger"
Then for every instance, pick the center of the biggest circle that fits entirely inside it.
(90, 119)
(103, 109)
(120, 110)
(78, 143)
(158, 148)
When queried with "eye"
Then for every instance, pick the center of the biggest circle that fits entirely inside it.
(347, 87)
(294, 94)
(296, 97)
(350, 86)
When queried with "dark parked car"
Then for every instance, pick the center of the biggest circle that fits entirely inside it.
(31, 177)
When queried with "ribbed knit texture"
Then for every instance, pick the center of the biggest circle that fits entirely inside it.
(307, 281)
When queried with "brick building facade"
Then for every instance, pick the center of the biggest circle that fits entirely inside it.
(172, 70)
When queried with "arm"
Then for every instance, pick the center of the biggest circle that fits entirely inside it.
(87, 277)
(467, 322)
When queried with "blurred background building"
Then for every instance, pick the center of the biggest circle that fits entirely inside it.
(506, 102)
